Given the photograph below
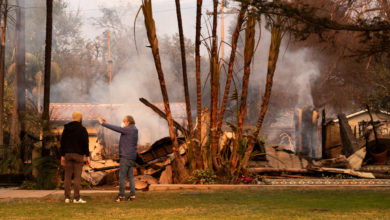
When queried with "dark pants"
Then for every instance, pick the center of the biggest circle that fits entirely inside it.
(73, 165)
(126, 171)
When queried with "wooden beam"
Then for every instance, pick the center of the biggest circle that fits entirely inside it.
(350, 145)
(163, 115)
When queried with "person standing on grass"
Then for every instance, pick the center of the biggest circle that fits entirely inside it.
(127, 154)
(74, 151)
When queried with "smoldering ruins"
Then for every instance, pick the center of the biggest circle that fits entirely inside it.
(316, 146)
(314, 123)
(298, 140)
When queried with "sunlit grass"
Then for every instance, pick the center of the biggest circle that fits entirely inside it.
(232, 204)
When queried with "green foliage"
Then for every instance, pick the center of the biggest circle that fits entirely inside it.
(85, 184)
(202, 177)
(48, 172)
(34, 72)
(7, 106)
(243, 145)
(11, 163)
(50, 169)
(28, 184)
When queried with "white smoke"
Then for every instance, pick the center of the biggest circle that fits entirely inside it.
(135, 79)
(294, 75)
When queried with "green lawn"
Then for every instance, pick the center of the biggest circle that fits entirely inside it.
(232, 204)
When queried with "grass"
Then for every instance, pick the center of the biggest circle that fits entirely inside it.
(232, 204)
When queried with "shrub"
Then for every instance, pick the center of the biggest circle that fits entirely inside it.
(28, 184)
(202, 177)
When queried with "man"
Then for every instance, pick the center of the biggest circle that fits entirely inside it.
(74, 147)
(127, 154)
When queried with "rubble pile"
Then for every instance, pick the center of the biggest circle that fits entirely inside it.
(337, 152)
(153, 166)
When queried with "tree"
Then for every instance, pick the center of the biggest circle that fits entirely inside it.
(4, 13)
(235, 36)
(276, 38)
(151, 32)
(17, 128)
(197, 147)
(302, 20)
(185, 81)
(214, 84)
(248, 57)
(46, 93)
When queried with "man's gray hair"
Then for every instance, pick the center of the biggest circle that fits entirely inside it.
(130, 119)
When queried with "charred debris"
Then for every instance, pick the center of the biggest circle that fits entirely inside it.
(353, 146)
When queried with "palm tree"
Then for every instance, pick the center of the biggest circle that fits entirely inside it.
(4, 13)
(199, 164)
(34, 75)
(236, 34)
(276, 38)
(46, 91)
(248, 56)
(214, 84)
(151, 32)
(185, 81)
(17, 124)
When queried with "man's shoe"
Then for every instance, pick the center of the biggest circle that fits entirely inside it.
(120, 199)
(79, 201)
(131, 198)
(67, 200)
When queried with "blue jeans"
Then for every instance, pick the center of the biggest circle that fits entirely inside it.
(126, 171)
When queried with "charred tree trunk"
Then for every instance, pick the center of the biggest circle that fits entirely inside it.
(46, 93)
(214, 84)
(276, 38)
(151, 32)
(191, 151)
(197, 147)
(236, 34)
(248, 56)
(4, 13)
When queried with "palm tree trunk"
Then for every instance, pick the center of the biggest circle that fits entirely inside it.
(46, 90)
(276, 38)
(4, 10)
(151, 32)
(191, 151)
(250, 32)
(214, 82)
(184, 66)
(21, 61)
(236, 34)
(198, 156)
(17, 125)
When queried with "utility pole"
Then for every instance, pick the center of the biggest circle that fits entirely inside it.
(222, 13)
(109, 61)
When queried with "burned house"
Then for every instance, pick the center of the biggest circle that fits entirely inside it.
(361, 127)
(311, 136)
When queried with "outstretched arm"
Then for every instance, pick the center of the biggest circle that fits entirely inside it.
(104, 123)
